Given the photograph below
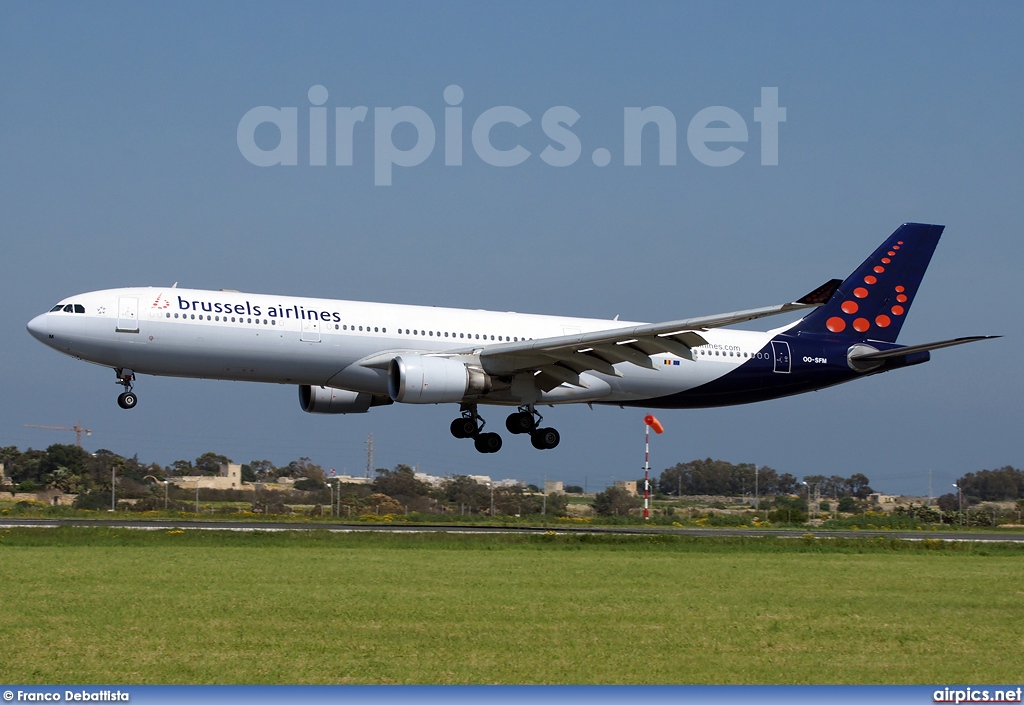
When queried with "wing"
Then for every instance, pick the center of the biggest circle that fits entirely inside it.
(563, 358)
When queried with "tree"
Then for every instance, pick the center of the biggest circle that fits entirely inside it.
(308, 484)
(304, 467)
(1005, 483)
(262, 471)
(180, 468)
(615, 501)
(788, 501)
(859, 486)
(400, 483)
(463, 490)
(948, 502)
(573, 489)
(209, 463)
(718, 477)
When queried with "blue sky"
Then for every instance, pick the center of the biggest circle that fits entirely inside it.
(121, 167)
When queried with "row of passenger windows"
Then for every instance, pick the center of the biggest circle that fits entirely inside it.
(367, 329)
(465, 336)
(239, 319)
(729, 354)
(68, 308)
(756, 356)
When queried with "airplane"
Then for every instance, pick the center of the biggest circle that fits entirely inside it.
(349, 356)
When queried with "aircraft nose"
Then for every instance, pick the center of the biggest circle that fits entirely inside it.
(39, 328)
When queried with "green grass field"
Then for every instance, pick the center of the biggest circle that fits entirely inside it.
(118, 606)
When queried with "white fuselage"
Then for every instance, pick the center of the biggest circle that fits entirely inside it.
(303, 341)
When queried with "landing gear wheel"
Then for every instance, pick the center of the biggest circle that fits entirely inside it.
(544, 438)
(487, 442)
(127, 400)
(519, 422)
(464, 427)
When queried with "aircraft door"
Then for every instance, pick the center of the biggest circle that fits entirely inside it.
(780, 351)
(127, 314)
(310, 331)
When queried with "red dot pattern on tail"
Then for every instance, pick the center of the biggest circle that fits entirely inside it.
(837, 324)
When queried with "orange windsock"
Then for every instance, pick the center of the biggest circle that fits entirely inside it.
(654, 423)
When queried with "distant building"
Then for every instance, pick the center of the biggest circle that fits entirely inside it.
(628, 485)
(553, 487)
(230, 478)
(349, 480)
(4, 480)
(432, 480)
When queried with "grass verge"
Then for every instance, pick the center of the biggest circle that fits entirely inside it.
(119, 606)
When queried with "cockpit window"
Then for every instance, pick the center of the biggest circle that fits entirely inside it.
(58, 307)
(69, 309)
(79, 308)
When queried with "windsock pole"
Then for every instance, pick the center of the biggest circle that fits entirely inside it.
(647, 471)
(649, 423)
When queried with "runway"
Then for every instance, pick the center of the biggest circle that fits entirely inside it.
(161, 524)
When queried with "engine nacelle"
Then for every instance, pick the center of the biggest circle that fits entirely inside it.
(326, 400)
(417, 379)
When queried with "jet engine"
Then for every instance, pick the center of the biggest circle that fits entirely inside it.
(417, 379)
(326, 400)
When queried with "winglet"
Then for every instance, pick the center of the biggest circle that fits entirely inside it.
(821, 295)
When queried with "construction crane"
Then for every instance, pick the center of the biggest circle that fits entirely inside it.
(77, 428)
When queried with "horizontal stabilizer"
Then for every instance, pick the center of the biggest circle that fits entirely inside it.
(868, 355)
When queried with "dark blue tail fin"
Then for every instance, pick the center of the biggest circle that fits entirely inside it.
(872, 303)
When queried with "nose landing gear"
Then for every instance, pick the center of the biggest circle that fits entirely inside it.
(127, 398)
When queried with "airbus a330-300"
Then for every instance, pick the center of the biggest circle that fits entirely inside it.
(348, 356)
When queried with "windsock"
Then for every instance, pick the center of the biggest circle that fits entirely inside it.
(654, 423)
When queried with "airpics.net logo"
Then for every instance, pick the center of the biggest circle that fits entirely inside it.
(712, 134)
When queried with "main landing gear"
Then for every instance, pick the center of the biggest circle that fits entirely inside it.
(471, 425)
(127, 398)
(525, 420)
